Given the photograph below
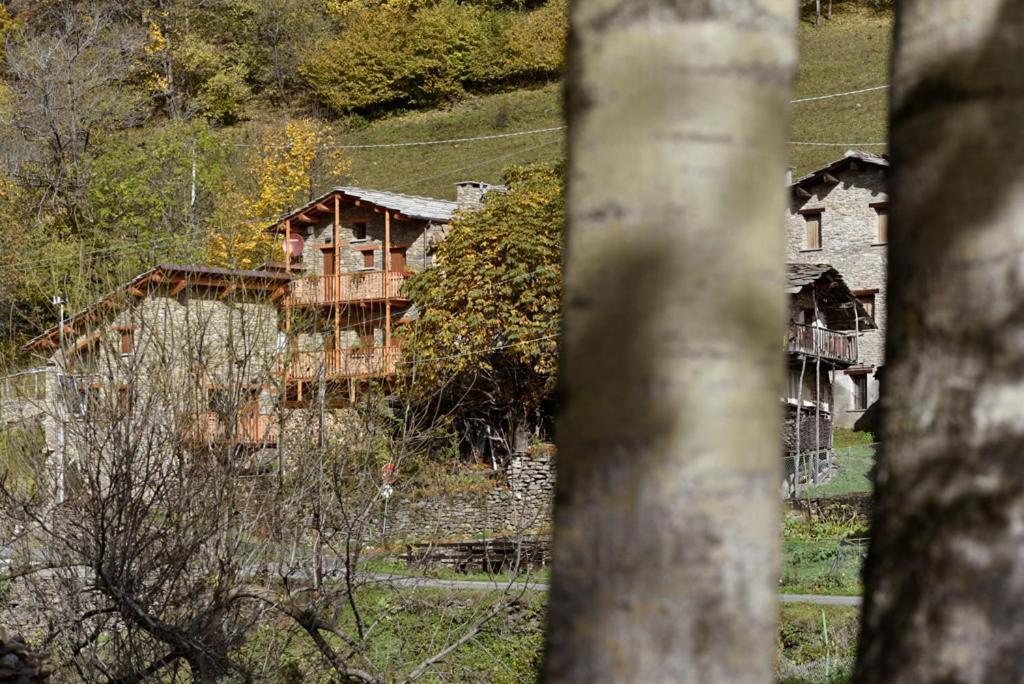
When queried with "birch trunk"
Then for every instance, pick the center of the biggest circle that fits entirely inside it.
(945, 577)
(666, 532)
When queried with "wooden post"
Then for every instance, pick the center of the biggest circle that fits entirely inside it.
(387, 283)
(337, 276)
(288, 245)
(817, 393)
(799, 417)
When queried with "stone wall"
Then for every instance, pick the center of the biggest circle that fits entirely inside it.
(519, 501)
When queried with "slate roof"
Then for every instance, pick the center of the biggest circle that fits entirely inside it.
(869, 158)
(181, 269)
(836, 297)
(414, 206)
(799, 276)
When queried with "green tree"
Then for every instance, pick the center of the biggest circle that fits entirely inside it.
(489, 309)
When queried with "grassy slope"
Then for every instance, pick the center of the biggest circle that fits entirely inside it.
(847, 53)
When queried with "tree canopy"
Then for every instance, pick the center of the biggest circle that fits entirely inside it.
(484, 348)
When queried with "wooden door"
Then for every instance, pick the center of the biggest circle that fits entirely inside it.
(398, 259)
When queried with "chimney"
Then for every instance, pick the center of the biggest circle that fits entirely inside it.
(470, 194)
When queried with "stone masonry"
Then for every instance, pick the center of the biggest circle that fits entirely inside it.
(520, 501)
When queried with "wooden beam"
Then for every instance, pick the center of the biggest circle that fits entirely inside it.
(136, 292)
(278, 293)
(304, 218)
(854, 166)
(322, 208)
(801, 192)
(227, 291)
(830, 179)
(156, 278)
(178, 287)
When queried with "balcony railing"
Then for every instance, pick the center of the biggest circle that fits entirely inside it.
(250, 430)
(829, 344)
(345, 363)
(344, 288)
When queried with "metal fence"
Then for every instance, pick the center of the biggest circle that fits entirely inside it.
(830, 472)
(822, 566)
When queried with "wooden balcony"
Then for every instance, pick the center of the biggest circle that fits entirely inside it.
(254, 430)
(832, 346)
(348, 288)
(343, 364)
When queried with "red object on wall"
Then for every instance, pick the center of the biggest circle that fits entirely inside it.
(293, 247)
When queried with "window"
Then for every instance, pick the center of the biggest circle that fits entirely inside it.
(368, 261)
(882, 212)
(808, 317)
(812, 235)
(359, 230)
(860, 391)
(125, 401)
(127, 335)
(867, 300)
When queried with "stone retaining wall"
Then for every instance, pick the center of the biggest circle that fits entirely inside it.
(519, 500)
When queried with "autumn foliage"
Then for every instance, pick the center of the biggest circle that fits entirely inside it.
(485, 345)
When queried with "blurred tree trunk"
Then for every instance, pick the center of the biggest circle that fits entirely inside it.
(667, 512)
(944, 585)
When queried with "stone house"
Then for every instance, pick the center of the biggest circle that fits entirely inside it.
(839, 215)
(183, 356)
(349, 252)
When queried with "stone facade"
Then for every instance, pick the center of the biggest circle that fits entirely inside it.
(178, 355)
(850, 196)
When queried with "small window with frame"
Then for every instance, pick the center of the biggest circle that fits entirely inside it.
(126, 343)
(867, 300)
(359, 230)
(860, 390)
(812, 230)
(882, 223)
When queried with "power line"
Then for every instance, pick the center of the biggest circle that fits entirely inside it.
(836, 144)
(412, 143)
(514, 134)
(816, 98)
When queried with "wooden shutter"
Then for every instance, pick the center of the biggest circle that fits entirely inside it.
(368, 258)
(883, 224)
(127, 341)
(329, 267)
(813, 236)
(398, 259)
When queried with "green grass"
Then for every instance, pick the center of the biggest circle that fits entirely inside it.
(845, 437)
(397, 566)
(806, 656)
(854, 475)
(849, 52)
(409, 625)
(824, 566)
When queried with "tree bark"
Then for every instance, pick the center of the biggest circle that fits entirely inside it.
(944, 586)
(666, 532)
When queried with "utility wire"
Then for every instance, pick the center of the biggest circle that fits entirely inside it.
(817, 98)
(498, 136)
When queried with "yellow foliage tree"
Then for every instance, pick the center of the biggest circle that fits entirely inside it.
(292, 164)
